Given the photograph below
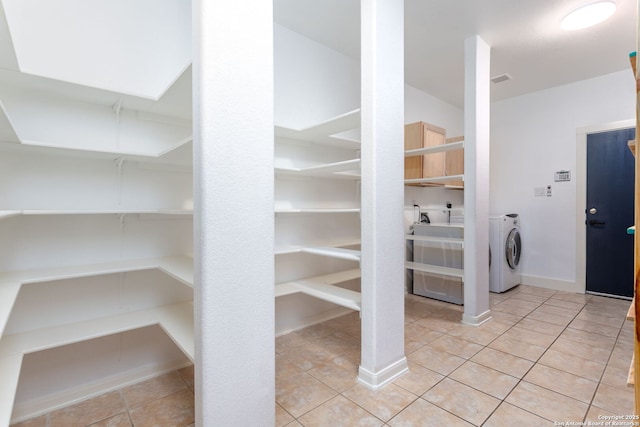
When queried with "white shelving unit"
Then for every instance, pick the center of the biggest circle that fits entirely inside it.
(9, 136)
(307, 164)
(348, 169)
(322, 287)
(432, 150)
(331, 243)
(175, 320)
(450, 241)
(435, 149)
(98, 196)
(435, 269)
(316, 210)
(180, 268)
(44, 212)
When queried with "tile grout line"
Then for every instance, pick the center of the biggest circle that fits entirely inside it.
(504, 400)
(604, 370)
(538, 359)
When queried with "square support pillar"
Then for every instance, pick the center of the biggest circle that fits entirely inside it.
(233, 213)
(477, 60)
(382, 160)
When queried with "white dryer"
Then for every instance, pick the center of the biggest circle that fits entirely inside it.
(505, 248)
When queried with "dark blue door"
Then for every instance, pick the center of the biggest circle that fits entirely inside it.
(609, 211)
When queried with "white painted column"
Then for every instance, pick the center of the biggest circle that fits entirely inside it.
(477, 60)
(382, 70)
(233, 212)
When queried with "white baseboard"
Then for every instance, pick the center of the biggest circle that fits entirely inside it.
(36, 407)
(377, 380)
(551, 283)
(476, 320)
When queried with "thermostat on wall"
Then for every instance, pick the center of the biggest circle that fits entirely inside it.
(561, 176)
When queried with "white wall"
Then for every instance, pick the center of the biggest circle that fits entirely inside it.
(534, 135)
(312, 82)
(420, 106)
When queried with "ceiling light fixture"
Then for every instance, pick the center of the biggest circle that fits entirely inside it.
(588, 15)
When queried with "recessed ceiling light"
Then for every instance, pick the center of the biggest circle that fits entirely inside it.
(588, 15)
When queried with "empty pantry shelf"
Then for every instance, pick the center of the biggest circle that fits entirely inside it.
(435, 269)
(322, 287)
(107, 212)
(176, 320)
(177, 317)
(434, 180)
(434, 149)
(178, 267)
(8, 134)
(331, 243)
(332, 252)
(435, 239)
(349, 169)
(326, 132)
(316, 210)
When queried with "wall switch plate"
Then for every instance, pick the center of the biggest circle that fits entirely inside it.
(548, 191)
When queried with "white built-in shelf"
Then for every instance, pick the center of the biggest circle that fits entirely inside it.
(8, 134)
(327, 132)
(340, 253)
(323, 287)
(435, 269)
(435, 180)
(348, 169)
(176, 320)
(436, 239)
(332, 243)
(44, 212)
(316, 210)
(9, 214)
(337, 132)
(56, 336)
(178, 267)
(435, 149)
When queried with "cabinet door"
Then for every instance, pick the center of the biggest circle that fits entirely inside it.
(433, 164)
(412, 140)
(454, 163)
(422, 135)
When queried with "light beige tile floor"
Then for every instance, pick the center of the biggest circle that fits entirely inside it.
(545, 356)
(164, 401)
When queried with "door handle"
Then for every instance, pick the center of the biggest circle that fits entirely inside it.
(595, 222)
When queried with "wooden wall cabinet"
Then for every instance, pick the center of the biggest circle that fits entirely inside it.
(423, 135)
(454, 163)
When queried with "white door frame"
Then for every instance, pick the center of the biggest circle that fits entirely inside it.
(581, 193)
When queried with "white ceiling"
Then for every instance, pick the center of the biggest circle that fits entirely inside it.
(525, 37)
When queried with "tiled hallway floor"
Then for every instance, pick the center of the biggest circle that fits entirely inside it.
(545, 356)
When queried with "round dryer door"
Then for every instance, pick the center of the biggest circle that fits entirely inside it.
(513, 248)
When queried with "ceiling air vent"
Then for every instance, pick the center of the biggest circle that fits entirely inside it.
(500, 78)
